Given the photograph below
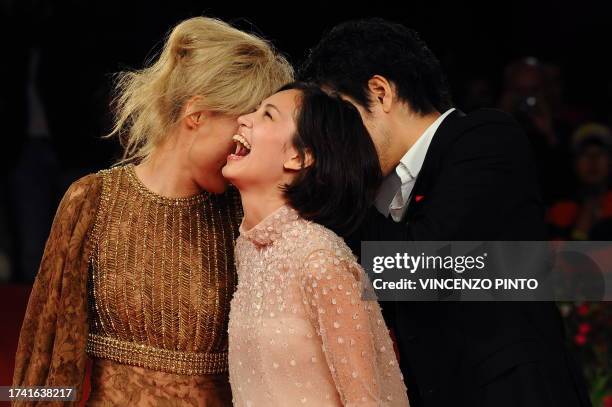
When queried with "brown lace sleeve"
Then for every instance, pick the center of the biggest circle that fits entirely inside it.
(51, 349)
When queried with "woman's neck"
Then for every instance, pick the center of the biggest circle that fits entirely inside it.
(257, 206)
(165, 172)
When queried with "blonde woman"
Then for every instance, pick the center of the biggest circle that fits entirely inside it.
(138, 269)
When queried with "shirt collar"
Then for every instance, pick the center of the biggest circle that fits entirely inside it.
(411, 163)
(271, 227)
(409, 166)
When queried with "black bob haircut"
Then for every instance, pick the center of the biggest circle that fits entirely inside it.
(337, 189)
(353, 52)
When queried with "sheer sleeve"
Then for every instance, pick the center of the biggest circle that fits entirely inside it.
(332, 293)
(51, 349)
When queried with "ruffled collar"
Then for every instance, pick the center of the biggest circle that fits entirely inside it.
(271, 227)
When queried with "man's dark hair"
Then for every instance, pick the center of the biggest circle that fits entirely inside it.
(354, 51)
(337, 189)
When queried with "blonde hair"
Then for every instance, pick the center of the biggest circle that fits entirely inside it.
(229, 70)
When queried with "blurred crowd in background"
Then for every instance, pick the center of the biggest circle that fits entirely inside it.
(57, 77)
(571, 146)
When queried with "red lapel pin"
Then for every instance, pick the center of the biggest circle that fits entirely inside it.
(418, 197)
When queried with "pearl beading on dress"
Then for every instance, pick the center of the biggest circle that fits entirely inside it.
(299, 332)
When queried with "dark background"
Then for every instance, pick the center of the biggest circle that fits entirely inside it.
(80, 44)
(57, 60)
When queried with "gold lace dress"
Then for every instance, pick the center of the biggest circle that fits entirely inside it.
(300, 333)
(160, 282)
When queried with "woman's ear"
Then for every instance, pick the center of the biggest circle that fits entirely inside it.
(194, 120)
(194, 116)
(294, 163)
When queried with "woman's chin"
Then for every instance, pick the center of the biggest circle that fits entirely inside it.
(230, 173)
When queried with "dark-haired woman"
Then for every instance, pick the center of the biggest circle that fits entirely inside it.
(299, 332)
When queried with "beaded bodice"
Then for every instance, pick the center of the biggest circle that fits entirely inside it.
(161, 277)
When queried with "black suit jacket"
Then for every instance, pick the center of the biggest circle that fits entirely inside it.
(478, 182)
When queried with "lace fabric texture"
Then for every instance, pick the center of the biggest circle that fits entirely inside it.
(117, 384)
(299, 332)
(161, 278)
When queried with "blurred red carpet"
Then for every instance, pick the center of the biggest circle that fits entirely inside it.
(13, 303)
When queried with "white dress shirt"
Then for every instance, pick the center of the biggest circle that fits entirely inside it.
(394, 193)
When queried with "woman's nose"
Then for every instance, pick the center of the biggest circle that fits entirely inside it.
(245, 120)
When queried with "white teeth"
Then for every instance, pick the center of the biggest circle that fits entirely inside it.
(242, 140)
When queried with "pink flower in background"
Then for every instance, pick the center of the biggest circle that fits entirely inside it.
(583, 309)
(580, 339)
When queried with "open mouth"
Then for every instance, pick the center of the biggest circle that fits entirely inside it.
(243, 148)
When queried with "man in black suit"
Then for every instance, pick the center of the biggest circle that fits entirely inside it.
(449, 176)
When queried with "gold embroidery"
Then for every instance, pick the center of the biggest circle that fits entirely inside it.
(163, 360)
(157, 298)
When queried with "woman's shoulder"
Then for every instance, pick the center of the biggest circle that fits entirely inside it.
(99, 181)
(85, 187)
(90, 187)
(322, 241)
(325, 254)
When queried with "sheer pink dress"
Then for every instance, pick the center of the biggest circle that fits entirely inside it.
(299, 332)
